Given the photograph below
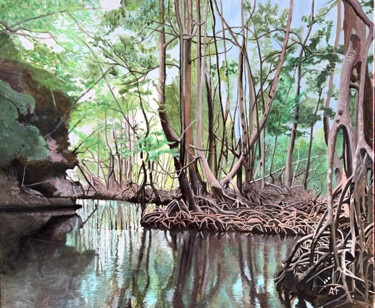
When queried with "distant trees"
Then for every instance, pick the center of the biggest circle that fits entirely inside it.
(251, 84)
(173, 85)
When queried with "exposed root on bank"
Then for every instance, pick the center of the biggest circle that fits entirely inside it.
(295, 218)
(130, 192)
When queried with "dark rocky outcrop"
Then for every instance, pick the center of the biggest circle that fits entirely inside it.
(50, 116)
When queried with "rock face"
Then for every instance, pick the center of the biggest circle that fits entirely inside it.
(50, 116)
(11, 193)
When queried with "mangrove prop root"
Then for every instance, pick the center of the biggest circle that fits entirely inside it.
(337, 272)
(294, 218)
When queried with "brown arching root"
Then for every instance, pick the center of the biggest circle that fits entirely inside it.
(334, 265)
(284, 218)
(337, 271)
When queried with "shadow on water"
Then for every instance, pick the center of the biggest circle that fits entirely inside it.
(111, 261)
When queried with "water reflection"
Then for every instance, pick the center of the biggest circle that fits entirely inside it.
(135, 267)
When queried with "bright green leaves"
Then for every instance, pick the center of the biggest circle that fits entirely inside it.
(306, 115)
(52, 38)
(134, 15)
(132, 6)
(154, 145)
(268, 15)
(328, 112)
(228, 71)
(15, 138)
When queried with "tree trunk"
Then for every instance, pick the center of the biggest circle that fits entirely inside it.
(182, 177)
(289, 160)
(187, 10)
(310, 143)
(336, 163)
(201, 68)
(255, 134)
(111, 176)
(211, 138)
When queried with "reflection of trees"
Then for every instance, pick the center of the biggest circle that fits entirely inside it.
(138, 279)
(177, 269)
(169, 285)
(185, 258)
(45, 275)
(220, 272)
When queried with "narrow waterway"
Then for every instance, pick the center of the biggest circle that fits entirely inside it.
(112, 261)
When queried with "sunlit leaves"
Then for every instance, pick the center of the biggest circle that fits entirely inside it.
(155, 144)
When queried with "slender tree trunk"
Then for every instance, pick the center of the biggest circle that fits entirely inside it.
(214, 164)
(337, 164)
(255, 134)
(188, 10)
(119, 159)
(98, 154)
(111, 176)
(184, 184)
(131, 161)
(226, 115)
(263, 158)
(241, 102)
(289, 160)
(310, 142)
(211, 137)
(273, 155)
(201, 68)
(87, 179)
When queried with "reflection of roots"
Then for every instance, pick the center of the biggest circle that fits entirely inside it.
(336, 267)
(266, 219)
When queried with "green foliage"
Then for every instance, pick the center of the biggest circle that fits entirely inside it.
(282, 105)
(137, 15)
(368, 5)
(17, 139)
(114, 54)
(155, 145)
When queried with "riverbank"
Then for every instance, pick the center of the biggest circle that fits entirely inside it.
(14, 196)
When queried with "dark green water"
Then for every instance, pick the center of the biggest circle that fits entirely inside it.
(114, 262)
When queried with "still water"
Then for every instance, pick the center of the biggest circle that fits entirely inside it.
(112, 261)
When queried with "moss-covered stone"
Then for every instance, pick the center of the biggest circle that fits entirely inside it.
(34, 128)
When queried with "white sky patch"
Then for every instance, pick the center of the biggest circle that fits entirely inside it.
(87, 129)
(88, 96)
(109, 5)
(26, 43)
